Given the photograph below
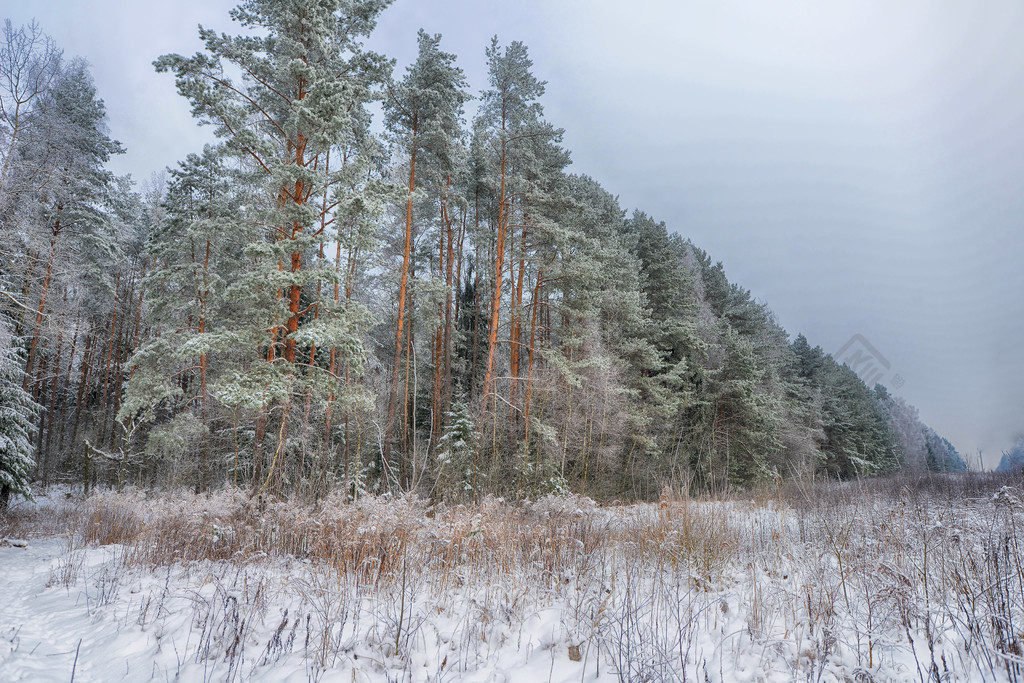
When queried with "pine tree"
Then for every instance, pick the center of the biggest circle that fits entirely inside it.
(305, 82)
(859, 440)
(72, 218)
(942, 455)
(294, 317)
(518, 168)
(522, 152)
(802, 434)
(423, 113)
(195, 254)
(600, 382)
(62, 234)
(669, 284)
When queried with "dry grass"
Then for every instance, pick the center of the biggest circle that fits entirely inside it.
(374, 537)
(868, 581)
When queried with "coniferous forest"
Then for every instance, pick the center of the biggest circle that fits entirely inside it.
(360, 287)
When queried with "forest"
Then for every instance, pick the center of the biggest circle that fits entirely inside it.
(378, 280)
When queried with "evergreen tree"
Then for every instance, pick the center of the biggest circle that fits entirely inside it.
(62, 221)
(942, 455)
(17, 417)
(859, 439)
(74, 205)
(803, 432)
(423, 113)
(194, 249)
(522, 152)
(921, 448)
(295, 318)
(305, 82)
(1013, 459)
(608, 389)
(456, 473)
(518, 185)
(668, 285)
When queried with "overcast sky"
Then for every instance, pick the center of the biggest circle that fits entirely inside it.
(858, 164)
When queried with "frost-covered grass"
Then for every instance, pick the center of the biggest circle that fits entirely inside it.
(880, 581)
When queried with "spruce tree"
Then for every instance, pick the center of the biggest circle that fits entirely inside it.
(17, 417)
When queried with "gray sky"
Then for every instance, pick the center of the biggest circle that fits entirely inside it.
(858, 164)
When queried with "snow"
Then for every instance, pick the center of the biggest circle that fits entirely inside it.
(723, 591)
(182, 624)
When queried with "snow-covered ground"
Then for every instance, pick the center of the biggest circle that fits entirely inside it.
(219, 588)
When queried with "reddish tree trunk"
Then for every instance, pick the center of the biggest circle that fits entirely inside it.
(67, 382)
(41, 310)
(47, 451)
(499, 267)
(400, 327)
(535, 303)
(110, 355)
(87, 355)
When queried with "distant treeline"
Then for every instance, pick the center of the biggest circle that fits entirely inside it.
(1013, 459)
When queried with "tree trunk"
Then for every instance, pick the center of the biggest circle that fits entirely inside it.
(444, 265)
(295, 289)
(41, 310)
(535, 303)
(44, 424)
(517, 332)
(257, 456)
(67, 383)
(400, 327)
(110, 355)
(206, 460)
(47, 450)
(499, 267)
(476, 295)
(451, 286)
(87, 354)
(120, 357)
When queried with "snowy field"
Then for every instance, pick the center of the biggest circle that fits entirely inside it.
(844, 583)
